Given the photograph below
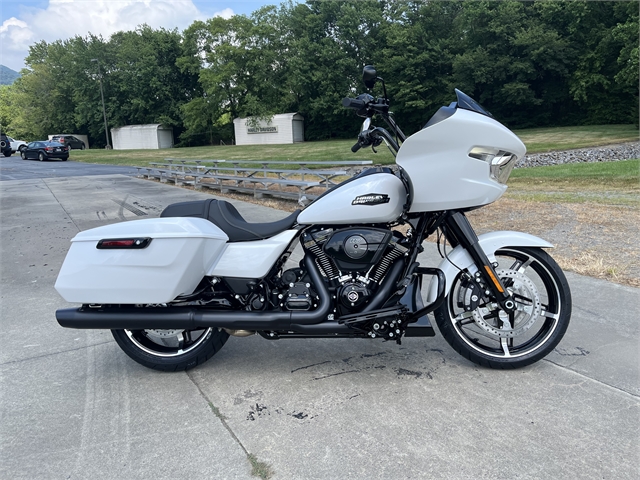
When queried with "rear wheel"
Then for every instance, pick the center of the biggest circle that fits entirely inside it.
(41, 156)
(171, 350)
(477, 328)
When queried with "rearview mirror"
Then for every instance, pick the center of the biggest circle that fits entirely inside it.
(369, 76)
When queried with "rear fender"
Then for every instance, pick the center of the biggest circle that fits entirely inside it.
(459, 258)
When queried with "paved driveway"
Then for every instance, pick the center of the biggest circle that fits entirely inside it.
(14, 168)
(72, 405)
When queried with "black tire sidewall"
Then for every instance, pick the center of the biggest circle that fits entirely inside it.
(452, 337)
(191, 359)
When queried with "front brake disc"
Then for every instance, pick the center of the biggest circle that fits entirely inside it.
(528, 307)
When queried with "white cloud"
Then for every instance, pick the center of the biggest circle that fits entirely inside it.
(63, 19)
(12, 22)
(226, 13)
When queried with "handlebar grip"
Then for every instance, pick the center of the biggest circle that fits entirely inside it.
(356, 147)
(353, 103)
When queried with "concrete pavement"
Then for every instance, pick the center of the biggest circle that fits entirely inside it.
(72, 405)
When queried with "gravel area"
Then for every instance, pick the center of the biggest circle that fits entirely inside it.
(609, 153)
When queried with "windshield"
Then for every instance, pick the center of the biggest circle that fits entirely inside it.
(467, 103)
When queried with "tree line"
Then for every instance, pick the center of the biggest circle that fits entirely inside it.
(532, 64)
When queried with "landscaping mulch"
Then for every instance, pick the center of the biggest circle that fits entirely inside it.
(590, 239)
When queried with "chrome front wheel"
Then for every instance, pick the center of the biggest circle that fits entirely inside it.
(476, 326)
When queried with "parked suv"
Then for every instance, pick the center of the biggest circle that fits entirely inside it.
(70, 141)
(17, 145)
(5, 145)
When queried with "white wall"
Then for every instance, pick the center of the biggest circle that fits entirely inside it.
(284, 124)
(165, 138)
(298, 130)
(151, 136)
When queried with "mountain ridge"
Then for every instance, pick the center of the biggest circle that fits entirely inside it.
(7, 76)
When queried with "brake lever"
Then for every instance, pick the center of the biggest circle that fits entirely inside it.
(375, 143)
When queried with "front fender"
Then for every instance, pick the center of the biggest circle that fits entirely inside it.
(459, 258)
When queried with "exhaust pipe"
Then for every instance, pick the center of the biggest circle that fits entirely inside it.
(240, 333)
(190, 318)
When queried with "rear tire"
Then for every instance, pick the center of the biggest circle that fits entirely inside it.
(171, 350)
(479, 330)
(41, 157)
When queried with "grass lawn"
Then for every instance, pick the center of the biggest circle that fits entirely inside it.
(537, 140)
(611, 183)
(540, 140)
(328, 150)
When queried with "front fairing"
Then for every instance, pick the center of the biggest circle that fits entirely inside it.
(443, 175)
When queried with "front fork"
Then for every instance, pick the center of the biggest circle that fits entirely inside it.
(458, 230)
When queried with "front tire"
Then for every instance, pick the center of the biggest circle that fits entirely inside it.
(23, 154)
(479, 330)
(171, 350)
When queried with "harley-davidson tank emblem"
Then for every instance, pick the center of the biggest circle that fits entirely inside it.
(371, 199)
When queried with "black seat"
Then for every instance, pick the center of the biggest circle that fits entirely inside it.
(228, 219)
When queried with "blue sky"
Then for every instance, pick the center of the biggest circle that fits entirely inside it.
(24, 22)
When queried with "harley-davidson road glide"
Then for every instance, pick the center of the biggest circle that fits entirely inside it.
(172, 289)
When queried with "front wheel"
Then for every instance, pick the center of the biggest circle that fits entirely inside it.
(170, 350)
(473, 323)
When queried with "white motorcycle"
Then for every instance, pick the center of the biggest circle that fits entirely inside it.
(172, 289)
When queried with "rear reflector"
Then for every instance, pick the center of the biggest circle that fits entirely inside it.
(114, 243)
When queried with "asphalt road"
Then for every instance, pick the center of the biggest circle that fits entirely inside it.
(14, 168)
(73, 406)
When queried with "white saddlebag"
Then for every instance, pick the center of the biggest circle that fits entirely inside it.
(181, 251)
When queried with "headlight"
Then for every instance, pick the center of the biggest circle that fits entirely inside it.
(500, 162)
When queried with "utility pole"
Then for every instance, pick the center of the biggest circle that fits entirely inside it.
(104, 111)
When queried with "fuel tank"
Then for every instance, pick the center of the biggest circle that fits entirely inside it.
(374, 196)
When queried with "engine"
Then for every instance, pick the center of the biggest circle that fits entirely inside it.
(354, 261)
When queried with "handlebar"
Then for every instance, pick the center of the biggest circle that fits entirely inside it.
(367, 106)
(354, 103)
(366, 102)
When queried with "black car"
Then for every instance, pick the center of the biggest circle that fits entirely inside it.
(45, 150)
(70, 141)
(5, 145)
